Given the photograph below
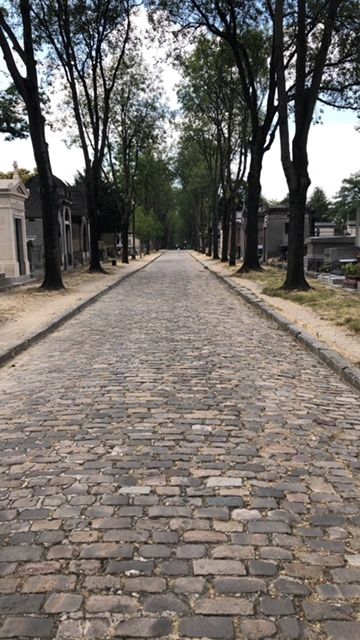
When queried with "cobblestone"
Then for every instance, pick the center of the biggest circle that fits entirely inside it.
(174, 466)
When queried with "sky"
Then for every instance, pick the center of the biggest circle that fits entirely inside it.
(334, 146)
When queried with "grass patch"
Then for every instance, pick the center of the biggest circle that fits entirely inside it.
(332, 304)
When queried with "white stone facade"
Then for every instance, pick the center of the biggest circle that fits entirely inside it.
(13, 251)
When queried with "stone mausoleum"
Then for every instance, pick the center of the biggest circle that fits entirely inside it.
(13, 252)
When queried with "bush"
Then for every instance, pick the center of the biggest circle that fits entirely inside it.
(352, 269)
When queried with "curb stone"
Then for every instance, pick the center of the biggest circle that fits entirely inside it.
(19, 347)
(344, 368)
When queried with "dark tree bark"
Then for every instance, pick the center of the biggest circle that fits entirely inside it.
(295, 277)
(225, 233)
(209, 247)
(307, 87)
(28, 88)
(232, 253)
(251, 261)
(92, 189)
(125, 241)
(215, 222)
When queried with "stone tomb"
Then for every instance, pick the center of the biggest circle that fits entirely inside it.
(13, 252)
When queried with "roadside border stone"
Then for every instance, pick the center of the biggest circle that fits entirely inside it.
(333, 360)
(19, 347)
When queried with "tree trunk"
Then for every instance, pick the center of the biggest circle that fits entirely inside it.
(225, 232)
(215, 241)
(298, 187)
(29, 90)
(251, 260)
(92, 203)
(48, 198)
(232, 254)
(125, 242)
(95, 265)
(209, 248)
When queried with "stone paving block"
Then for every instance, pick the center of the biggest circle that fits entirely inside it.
(338, 591)
(50, 582)
(257, 629)
(314, 611)
(31, 627)
(107, 550)
(224, 607)
(189, 551)
(160, 604)
(206, 627)
(233, 551)
(19, 603)
(127, 567)
(144, 628)
(289, 629)
(262, 568)
(150, 585)
(62, 603)
(111, 604)
(20, 553)
(218, 567)
(189, 585)
(239, 585)
(286, 585)
(276, 606)
(342, 630)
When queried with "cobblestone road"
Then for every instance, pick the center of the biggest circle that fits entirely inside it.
(174, 466)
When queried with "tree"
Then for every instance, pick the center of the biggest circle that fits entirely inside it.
(154, 191)
(88, 39)
(211, 95)
(311, 27)
(136, 123)
(194, 193)
(147, 227)
(246, 27)
(23, 70)
(346, 201)
(320, 205)
(202, 135)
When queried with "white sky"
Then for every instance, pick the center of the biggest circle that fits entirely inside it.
(333, 150)
(334, 146)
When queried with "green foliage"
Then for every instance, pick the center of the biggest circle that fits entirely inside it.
(346, 201)
(196, 185)
(147, 226)
(319, 204)
(25, 174)
(154, 192)
(352, 269)
(13, 120)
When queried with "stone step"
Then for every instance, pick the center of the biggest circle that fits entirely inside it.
(13, 282)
